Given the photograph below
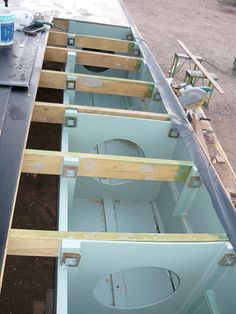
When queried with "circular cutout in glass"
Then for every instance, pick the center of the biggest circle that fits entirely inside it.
(136, 287)
(118, 147)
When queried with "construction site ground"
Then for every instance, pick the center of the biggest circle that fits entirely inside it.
(208, 29)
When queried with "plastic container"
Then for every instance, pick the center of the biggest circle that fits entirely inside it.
(7, 24)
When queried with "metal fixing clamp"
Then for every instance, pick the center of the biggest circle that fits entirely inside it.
(194, 179)
(70, 253)
(71, 40)
(195, 182)
(228, 259)
(71, 118)
(71, 82)
(173, 133)
(70, 167)
(156, 96)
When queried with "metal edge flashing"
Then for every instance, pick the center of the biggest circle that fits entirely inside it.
(220, 200)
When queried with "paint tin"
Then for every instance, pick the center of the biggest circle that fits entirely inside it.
(7, 24)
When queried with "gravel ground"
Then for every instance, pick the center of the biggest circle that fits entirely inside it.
(208, 29)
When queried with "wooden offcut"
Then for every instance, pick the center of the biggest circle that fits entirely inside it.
(107, 166)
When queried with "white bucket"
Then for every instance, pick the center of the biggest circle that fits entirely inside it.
(7, 24)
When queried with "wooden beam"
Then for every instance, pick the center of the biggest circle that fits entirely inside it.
(54, 112)
(92, 58)
(219, 160)
(64, 24)
(97, 84)
(92, 42)
(107, 166)
(201, 67)
(198, 130)
(48, 243)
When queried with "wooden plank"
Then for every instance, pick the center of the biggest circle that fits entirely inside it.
(108, 166)
(54, 112)
(92, 58)
(57, 39)
(64, 24)
(97, 84)
(198, 130)
(48, 243)
(219, 160)
(92, 42)
(201, 67)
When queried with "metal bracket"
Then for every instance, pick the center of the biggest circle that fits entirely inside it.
(156, 96)
(71, 40)
(70, 167)
(130, 37)
(71, 118)
(194, 182)
(71, 82)
(71, 122)
(137, 52)
(228, 259)
(173, 133)
(70, 254)
(70, 259)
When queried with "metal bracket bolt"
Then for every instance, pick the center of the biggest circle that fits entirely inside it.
(71, 118)
(70, 259)
(173, 133)
(194, 182)
(71, 122)
(137, 52)
(71, 40)
(130, 37)
(156, 96)
(228, 259)
(70, 167)
(71, 82)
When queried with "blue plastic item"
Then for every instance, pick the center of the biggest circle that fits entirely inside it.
(7, 23)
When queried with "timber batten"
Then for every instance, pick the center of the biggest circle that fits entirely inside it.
(97, 84)
(48, 243)
(92, 42)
